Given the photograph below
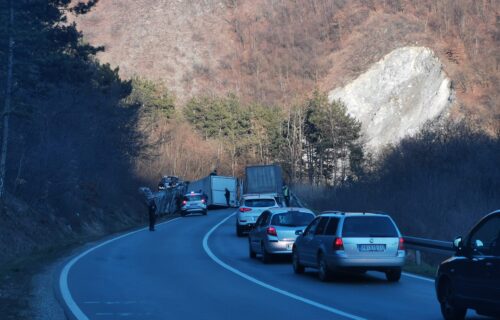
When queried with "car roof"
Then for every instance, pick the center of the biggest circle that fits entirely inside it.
(287, 209)
(351, 214)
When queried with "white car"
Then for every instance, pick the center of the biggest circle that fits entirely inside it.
(193, 203)
(251, 207)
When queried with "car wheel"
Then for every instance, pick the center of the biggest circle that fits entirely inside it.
(393, 275)
(297, 267)
(324, 274)
(449, 309)
(266, 256)
(239, 231)
(251, 253)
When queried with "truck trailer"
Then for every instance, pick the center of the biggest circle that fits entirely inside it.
(215, 188)
(263, 179)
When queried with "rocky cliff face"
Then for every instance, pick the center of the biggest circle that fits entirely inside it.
(397, 95)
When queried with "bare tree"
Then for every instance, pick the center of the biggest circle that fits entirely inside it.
(8, 98)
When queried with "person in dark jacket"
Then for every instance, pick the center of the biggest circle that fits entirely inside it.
(286, 195)
(227, 194)
(152, 215)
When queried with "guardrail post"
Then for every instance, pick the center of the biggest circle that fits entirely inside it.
(418, 257)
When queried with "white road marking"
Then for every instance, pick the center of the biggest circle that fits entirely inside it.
(411, 275)
(63, 278)
(265, 285)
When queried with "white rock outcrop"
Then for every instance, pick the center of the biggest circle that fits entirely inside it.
(397, 95)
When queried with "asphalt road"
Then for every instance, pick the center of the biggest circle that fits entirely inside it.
(196, 268)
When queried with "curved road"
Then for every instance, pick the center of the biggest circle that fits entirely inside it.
(196, 268)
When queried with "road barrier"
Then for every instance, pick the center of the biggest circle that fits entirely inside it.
(428, 245)
(296, 202)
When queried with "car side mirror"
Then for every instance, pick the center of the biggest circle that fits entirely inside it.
(299, 232)
(457, 243)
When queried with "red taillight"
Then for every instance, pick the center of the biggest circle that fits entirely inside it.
(272, 231)
(338, 244)
(244, 209)
(401, 244)
(184, 202)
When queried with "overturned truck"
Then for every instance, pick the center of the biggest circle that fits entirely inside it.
(215, 188)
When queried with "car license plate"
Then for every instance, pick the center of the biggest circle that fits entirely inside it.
(371, 247)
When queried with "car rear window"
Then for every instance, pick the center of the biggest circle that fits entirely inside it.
(292, 219)
(260, 203)
(367, 227)
(193, 198)
(331, 228)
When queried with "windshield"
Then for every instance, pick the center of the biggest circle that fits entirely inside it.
(367, 227)
(292, 219)
(260, 203)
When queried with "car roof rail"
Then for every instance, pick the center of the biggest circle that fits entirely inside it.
(376, 212)
(332, 212)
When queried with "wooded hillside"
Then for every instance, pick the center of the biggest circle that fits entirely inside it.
(70, 139)
(279, 51)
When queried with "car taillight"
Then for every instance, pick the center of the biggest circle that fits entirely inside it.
(401, 244)
(338, 244)
(244, 209)
(184, 202)
(272, 231)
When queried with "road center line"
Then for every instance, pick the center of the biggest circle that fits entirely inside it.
(265, 285)
(63, 278)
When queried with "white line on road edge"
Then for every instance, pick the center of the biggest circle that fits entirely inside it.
(265, 285)
(63, 278)
(411, 275)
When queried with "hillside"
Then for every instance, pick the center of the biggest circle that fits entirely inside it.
(276, 52)
(69, 138)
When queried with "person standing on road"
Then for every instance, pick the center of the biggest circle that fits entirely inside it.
(227, 194)
(286, 195)
(152, 214)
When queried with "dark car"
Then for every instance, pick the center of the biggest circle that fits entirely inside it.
(471, 278)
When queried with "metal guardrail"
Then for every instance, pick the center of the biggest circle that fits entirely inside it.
(429, 245)
(296, 202)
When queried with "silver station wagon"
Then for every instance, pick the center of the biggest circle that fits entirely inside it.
(276, 230)
(350, 241)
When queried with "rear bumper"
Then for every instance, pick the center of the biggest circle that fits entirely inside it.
(368, 263)
(279, 247)
(196, 209)
(245, 227)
